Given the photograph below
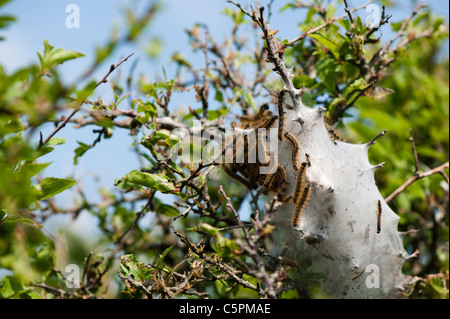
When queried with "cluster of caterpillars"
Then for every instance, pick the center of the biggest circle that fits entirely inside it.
(248, 172)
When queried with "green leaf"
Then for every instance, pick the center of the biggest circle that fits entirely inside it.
(10, 286)
(3, 215)
(44, 150)
(172, 140)
(3, 2)
(154, 47)
(326, 43)
(29, 170)
(236, 15)
(23, 220)
(167, 210)
(146, 107)
(350, 70)
(51, 186)
(6, 20)
(154, 138)
(345, 23)
(287, 6)
(249, 99)
(87, 90)
(131, 267)
(437, 23)
(53, 57)
(180, 59)
(436, 283)
(159, 182)
(308, 100)
(162, 256)
(80, 150)
(56, 141)
(358, 84)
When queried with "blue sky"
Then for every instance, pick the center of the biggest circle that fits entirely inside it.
(45, 19)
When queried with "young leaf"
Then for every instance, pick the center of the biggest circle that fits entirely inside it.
(249, 99)
(167, 210)
(163, 255)
(51, 186)
(326, 43)
(308, 100)
(56, 141)
(29, 170)
(79, 151)
(6, 20)
(158, 182)
(131, 267)
(53, 57)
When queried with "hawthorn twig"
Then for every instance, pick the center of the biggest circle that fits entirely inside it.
(440, 169)
(74, 111)
(374, 140)
(417, 174)
(349, 13)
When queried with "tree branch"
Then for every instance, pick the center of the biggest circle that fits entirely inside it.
(440, 169)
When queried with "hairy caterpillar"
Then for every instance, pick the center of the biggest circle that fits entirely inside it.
(379, 217)
(281, 115)
(301, 205)
(300, 180)
(295, 151)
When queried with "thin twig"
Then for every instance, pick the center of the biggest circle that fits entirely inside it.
(74, 111)
(440, 170)
(137, 218)
(374, 140)
(236, 215)
(349, 13)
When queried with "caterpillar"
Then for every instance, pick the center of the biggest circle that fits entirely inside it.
(261, 137)
(379, 217)
(300, 180)
(281, 115)
(295, 151)
(301, 205)
(281, 180)
(252, 120)
(231, 172)
(335, 136)
(268, 122)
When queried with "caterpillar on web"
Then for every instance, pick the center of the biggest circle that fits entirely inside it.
(295, 151)
(301, 205)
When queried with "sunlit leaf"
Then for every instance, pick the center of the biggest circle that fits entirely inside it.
(51, 186)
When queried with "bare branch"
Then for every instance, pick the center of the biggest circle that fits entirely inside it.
(440, 169)
(74, 111)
